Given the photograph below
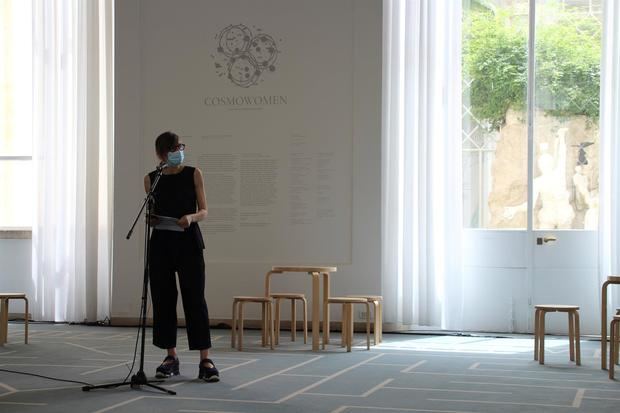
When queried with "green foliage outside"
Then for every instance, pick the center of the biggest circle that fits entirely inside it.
(568, 49)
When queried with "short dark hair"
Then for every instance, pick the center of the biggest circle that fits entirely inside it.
(166, 142)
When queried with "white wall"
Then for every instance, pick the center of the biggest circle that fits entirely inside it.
(224, 280)
(15, 269)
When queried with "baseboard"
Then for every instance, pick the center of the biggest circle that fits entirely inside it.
(360, 327)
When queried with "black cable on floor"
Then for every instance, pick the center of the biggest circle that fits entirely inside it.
(99, 323)
(45, 377)
(105, 322)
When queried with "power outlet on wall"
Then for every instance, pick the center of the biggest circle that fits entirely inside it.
(361, 315)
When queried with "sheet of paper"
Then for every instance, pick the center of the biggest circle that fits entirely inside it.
(167, 223)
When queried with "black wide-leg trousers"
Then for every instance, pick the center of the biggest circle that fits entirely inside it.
(177, 252)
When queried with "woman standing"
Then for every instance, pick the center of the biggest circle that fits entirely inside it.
(179, 194)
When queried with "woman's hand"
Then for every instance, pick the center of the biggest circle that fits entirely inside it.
(185, 221)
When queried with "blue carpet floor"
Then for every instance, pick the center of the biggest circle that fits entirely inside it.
(406, 373)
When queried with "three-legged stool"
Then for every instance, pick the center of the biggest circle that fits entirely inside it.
(237, 320)
(573, 330)
(348, 318)
(4, 315)
(376, 302)
(293, 297)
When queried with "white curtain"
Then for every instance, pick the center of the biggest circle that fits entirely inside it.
(72, 154)
(609, 164)
(421, 143)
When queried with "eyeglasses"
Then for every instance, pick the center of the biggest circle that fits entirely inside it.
(179, 147)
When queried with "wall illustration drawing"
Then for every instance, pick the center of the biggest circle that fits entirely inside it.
(243, 57)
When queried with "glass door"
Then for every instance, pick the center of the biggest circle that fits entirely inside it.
(530, 165)
(564, 157)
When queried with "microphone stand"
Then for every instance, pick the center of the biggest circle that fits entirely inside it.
(140, 379)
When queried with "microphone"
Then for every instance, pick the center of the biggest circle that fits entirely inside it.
(161, 166)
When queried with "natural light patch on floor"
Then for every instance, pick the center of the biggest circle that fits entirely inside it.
(486, 345)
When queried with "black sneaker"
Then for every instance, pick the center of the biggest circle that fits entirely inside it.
(208, 374)
(169, 367)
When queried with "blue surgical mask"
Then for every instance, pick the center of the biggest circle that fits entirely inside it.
(175, 158)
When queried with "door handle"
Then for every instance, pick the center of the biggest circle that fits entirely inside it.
(546, 239)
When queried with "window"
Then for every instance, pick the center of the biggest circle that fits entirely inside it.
(16, 180)
(567, 45)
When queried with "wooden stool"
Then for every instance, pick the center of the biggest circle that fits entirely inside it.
(614, 343)
(4, 315)
(573, 330)
(611, 280)
(377, 304)
(348, 318)
(318, 299)
(293, 297)
(237, 320)
(615, 335)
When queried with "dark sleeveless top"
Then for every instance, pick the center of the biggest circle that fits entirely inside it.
(175, 196)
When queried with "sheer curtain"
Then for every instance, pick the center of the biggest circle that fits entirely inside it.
(421, 143)
(609, 181)
(72, 157)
